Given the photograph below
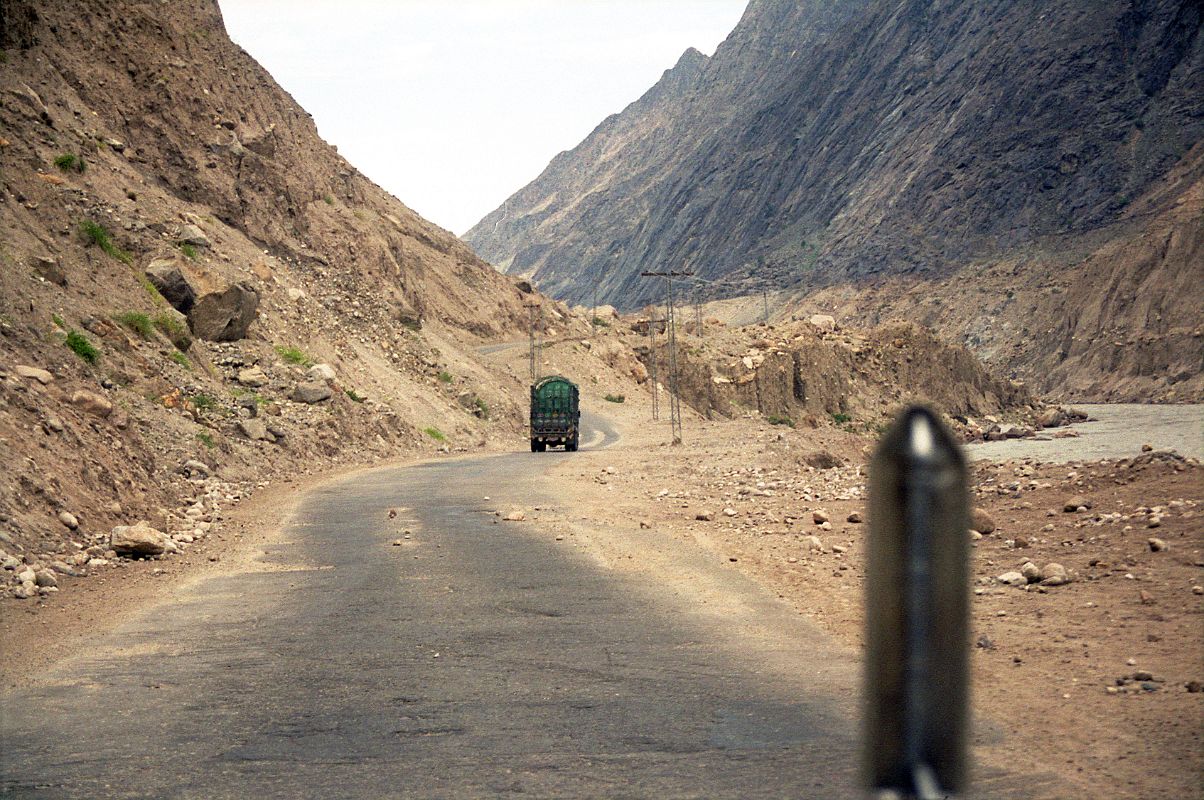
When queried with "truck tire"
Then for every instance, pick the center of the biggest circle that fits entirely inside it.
(537, 447)
(571, 445)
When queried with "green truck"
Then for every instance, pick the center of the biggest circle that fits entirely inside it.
(555, 414)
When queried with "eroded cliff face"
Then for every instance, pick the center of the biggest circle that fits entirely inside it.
(838, 145)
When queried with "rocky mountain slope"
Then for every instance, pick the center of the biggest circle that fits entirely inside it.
(844, 145)
(198, 294)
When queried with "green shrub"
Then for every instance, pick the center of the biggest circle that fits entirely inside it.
(188, 250)
(841, 419)
(435, 434)
(328, 199)
(180, 358)
(294, 356)
(615, 398)
(445, 377)
(203, 402)
(98, 235)
(82, 347)
(355, 396)
(601, 323)
(774, 419)
(482, 407)
(70, 162)
(137, 322)
(57, 320)
(206, 439)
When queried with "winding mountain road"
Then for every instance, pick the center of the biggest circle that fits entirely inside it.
(477, 658)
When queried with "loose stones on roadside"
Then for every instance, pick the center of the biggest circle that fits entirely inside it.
(1031, 572)
(704, 516)
(1012, 578)
(819, 516)
(854, 517)
(1054, 574)
(256, 430)
(320, 372)
(138, 540)
(68, 519)
(1075, 503)
(514, 515)
(1157, 545)
(981, 521)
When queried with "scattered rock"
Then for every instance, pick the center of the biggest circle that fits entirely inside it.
(1075, 503)
(823, 322)
(92, 403)
(1157, 545)
(320, 372)
(225, 316)
(194, 467)
(1051, 418)
(1146, 598)
(981, 521)
(814, 544)
(1054, 574)
(311, 392)
(45, 577)
(514, 515)
(34, 373)
(854, 517)
(645, 524)
(1154, 521)
(1146, 448)
(166, 275)
(255, 430)
(1012, 578)
(68, 519)
(704, 516)
(253, 377)
(819, 517)
(49, 269)
(1031, 572)
(137, 540)
(193, 235)
(729, 512)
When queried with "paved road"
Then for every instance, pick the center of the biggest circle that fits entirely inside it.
(478, 660)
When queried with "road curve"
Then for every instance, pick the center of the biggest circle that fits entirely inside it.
(478, 658)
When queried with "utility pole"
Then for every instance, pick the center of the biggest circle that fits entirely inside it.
(671, 325)
(593, 323)
(765, 304)
(536, 322)
(698, 309)
(656, 400)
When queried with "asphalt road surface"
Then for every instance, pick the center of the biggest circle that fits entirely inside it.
(478, 659)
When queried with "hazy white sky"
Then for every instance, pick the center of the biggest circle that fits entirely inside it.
(453, 105)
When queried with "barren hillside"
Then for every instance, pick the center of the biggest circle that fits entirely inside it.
(199, 295)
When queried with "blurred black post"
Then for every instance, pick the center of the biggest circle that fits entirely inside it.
(916, 682)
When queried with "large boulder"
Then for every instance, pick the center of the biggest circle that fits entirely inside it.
(193, 235)
(166, 276)
(137, 540)
(224, 316)
(311, 392)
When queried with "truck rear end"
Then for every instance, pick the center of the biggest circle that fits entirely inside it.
(555, 414)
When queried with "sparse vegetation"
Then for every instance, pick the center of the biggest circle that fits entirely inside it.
(294, 356)
(774, 419)
(98, 235)
(171, 327)
(601, 323)
(138, 322)
(82, 347)
(206, 439)
(57, 320)
(328, 199)
(482, 407)
(615, 398)
(435, 434)
(841, 418)
(202, 402)
(180, 358)
(70, 162)
(355, 396)
(188, 250)
(445, 377)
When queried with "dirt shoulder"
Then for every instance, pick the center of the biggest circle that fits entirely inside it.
(1087, 680)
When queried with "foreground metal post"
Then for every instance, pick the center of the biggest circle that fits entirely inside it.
(916, 682)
